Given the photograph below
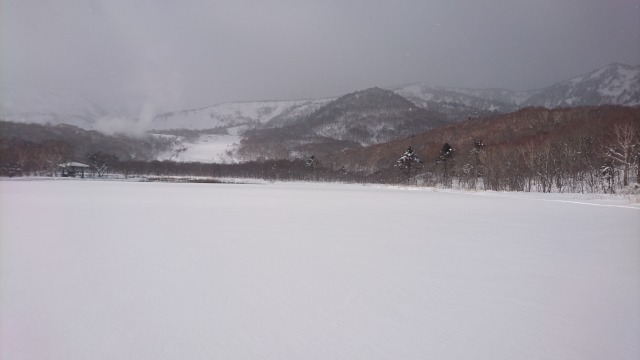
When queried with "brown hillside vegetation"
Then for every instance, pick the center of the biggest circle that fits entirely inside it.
(39, 149)
(587, 149)
(509, 149)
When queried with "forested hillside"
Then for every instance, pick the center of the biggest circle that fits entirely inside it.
(578, 149)
(34, 148)
(585, 149)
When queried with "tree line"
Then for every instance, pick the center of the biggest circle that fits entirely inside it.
(24, 158)
(568, 150)
(576, 163)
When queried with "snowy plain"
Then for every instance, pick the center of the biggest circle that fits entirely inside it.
(126, 270)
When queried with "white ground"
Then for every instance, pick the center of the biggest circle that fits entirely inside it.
(206, 148)
(116, 270)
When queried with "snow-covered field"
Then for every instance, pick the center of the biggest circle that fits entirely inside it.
(123, 270)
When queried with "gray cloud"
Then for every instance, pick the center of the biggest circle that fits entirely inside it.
(185, 54)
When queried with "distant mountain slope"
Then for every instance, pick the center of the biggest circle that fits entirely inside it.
(81, 142)
(457, 104)
(246, 114)
(358, 119)
(371, 116)
(614, 84)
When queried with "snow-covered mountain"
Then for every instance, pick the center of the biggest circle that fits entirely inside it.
(613, 84)
(371, 116)
(239, 114)
(311, 126)
(456, 103)
(75, 109)
(616, 84)
(225, 123)
(357, 119)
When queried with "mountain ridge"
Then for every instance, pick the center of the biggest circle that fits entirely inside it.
(622, 88)
(356, 119)
(615, 84)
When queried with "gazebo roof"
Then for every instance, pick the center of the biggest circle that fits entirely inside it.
(74, 164)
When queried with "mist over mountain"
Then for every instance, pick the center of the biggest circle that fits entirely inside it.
(41, 107)
(80, 143)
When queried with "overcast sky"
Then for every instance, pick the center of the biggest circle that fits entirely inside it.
(183, 54)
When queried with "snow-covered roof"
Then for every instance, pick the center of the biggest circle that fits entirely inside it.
(74, 164)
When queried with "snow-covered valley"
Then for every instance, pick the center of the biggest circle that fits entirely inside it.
(205, 148)
(118, 270)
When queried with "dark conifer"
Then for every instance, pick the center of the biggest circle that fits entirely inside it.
(407, 161)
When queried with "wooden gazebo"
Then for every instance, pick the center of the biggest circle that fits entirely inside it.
(73, 169)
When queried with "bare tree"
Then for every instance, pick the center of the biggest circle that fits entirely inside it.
(54, 153)
(471, 165)
(101, 162)
(528, 156)
(624, 150)
(444, 157)
(313, 164)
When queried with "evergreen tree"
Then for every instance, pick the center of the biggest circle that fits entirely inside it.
(445, 153)
(313, 164)
(407, 161)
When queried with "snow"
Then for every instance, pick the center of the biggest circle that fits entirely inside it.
(232, 114)
(623, 84)
(422, 92)
(116, 270)
(205, 148)
(74, 164)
